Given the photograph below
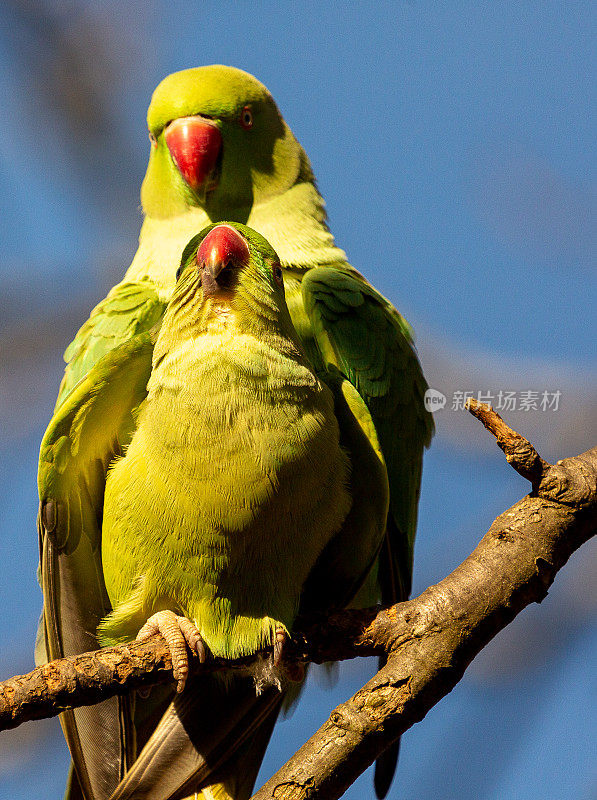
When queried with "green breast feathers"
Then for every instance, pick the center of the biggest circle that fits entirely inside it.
(234, 476)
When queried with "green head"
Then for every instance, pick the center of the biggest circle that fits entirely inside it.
(229, 271)
(218, 142)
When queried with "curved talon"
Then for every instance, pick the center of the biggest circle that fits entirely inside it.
(280, 640)
(192, 637)
(178, 633)
(295, 673)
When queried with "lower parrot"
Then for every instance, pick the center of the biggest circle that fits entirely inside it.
(213, 470)
(221, 150)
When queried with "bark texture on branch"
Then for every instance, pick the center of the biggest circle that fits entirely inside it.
(430, 639)
(88, 678)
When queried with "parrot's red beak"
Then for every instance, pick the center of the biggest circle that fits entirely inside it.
(194, 144)
(220, 252)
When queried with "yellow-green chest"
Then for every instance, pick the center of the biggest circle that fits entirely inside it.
(232, 484)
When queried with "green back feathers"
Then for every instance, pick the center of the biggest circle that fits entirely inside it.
(129, 309)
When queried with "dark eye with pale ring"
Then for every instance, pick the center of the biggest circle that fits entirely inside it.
(278, 274)
(152, 139)
(179, 272)
(246, 117)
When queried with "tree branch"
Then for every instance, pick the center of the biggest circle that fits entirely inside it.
(430, 639)
(435, 636)
(89, 678)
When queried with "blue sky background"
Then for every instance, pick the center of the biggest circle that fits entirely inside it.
(454, 144)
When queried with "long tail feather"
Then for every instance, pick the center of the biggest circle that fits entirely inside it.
(199, 739)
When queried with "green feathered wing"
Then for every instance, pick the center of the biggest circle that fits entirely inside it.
(365, 338)
(129, 309)
(92, 426)
(350, 557)
(70, 563)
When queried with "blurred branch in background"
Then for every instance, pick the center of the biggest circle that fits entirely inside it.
(74, 62)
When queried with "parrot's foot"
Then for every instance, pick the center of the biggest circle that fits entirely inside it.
(178, 633)
(294, 672)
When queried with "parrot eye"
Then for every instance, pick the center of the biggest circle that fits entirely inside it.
(152, 139)
(278, 274)
(246, 118)
(179, 272)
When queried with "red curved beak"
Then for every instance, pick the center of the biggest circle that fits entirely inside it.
(223, 247)
(194, 144)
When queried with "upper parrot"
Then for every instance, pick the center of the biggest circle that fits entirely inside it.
(240, 466)
(221, 150)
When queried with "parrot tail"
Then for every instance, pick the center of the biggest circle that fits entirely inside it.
(208, 744)
(242, 768)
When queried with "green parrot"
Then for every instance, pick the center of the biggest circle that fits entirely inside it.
(220, 150)
(211, 468)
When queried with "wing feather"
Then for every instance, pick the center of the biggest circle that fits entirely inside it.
(91, 426)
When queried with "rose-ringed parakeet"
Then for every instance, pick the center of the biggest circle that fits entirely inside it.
(221, 150)
(211, 467)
